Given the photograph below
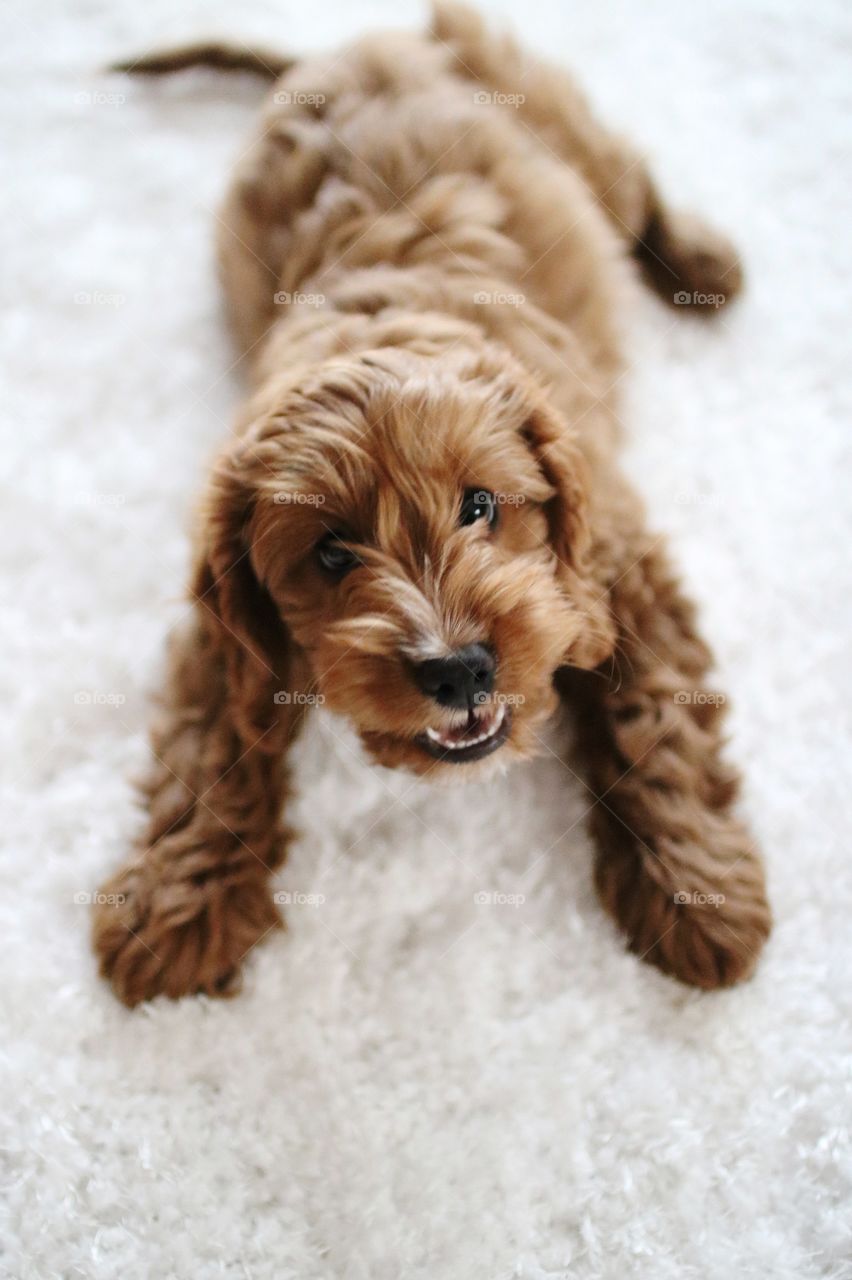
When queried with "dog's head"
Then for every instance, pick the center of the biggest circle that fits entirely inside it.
(404, 537)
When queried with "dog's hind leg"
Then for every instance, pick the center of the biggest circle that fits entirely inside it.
(252, 226)
(683, 259)
(214, 54)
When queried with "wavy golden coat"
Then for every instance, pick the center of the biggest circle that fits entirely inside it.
(424, 253)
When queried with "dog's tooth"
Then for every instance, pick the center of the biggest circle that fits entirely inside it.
(454, 744)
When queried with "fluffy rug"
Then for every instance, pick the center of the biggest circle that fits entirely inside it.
(418, 1082)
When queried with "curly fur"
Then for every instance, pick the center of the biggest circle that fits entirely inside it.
(381, 201)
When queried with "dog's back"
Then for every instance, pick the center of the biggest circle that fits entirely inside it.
(455, 172)
(395, 155)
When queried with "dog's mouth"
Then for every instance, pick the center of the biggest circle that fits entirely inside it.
(485, 729)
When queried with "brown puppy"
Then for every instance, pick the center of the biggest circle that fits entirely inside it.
(420, 516)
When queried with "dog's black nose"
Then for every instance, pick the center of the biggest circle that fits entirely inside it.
(456, 680)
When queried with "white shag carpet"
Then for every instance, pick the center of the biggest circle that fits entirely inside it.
(415, 1084)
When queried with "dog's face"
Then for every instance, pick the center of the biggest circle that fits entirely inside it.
(406, 537)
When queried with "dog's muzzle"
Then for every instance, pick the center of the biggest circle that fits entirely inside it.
(459, 680)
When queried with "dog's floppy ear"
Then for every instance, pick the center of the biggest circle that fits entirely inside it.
(564, 467)
(242, 619)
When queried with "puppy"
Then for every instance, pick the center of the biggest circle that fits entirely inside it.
(420, 516)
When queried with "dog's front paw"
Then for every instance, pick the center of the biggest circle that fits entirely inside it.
(709, 937)
(158, 936)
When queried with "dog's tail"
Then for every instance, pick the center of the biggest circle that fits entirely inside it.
(221, 56)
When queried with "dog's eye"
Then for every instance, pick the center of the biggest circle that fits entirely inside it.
(478, 504)
(335, 557)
